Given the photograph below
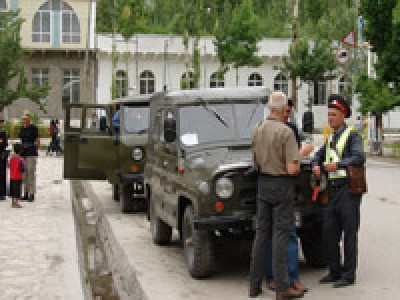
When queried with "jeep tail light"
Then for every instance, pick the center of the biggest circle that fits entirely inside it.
(134, 168)
(219, 206)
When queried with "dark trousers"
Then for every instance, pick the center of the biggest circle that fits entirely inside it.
(3, 176)
(293, 259)
(274, 222)
(342, 217)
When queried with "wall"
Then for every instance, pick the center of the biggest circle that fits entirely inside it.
(156, 52)
(55, 62)
(30, 7)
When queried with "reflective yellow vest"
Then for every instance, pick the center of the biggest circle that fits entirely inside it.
(334, 155)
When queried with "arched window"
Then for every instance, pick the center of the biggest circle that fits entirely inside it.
(281, 84)
(344, 84)
(41, 24)
(3, 5)
(122, 84)
(71, 33)
(46, 24)
(255, 79)
(217, 80)
(187, 81)
(147, 83)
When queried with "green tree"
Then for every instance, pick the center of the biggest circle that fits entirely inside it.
(376, 97)
(236, 41)
(383, 33)
(12, 73)
(124, 16)
(311, 62)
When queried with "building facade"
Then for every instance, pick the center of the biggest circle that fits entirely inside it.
(59, 38)
(146, 64)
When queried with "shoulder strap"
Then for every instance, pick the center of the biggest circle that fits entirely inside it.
(343, 140)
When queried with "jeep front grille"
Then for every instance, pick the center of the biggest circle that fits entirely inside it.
(247, 196)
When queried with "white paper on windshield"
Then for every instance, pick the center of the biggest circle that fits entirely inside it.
(190, 139)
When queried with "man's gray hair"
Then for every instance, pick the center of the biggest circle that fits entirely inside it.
(278, 101)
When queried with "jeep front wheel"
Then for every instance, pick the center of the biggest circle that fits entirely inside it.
(160, 231)
(127, 202)
(125, 197)
(197, 247)
(115, 192)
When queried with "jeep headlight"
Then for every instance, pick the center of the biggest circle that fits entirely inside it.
(224, 188)
(137, 154)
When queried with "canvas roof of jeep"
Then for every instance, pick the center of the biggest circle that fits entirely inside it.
(237, 93)
(133, 99)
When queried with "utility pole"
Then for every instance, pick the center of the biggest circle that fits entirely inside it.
(294, 39)
(114, 46)
(166, 42)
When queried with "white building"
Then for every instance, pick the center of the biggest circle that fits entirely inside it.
(147, 63)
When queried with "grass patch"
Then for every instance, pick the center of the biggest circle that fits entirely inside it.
(393, 145)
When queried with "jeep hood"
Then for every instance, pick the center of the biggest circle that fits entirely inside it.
(212, 161)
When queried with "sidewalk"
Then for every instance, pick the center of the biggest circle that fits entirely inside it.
(38, 254)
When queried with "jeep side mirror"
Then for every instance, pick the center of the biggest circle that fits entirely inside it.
(103, 123)
(170, 130)
(308, 122)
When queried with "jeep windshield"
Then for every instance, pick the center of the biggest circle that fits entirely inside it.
(136, 118)
(216, 122)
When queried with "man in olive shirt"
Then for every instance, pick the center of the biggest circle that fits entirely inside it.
(276, 153)
(29, 135)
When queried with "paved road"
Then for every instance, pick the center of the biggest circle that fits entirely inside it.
(160, 272)
(38, 256)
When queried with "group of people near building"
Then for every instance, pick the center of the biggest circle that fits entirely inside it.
(22, 163)
(54, 133)
(277, 152)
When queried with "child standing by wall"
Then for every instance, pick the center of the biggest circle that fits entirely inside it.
(17, 167)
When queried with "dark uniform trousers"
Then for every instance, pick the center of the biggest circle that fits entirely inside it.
(274, 221)
(3, 174)
(3, 164)
(342, 217)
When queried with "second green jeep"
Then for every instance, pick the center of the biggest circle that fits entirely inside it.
(199, 177)
(109, 142)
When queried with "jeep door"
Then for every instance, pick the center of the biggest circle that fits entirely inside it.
(89, 142)
(164, 163)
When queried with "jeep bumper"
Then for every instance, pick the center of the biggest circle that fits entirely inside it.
(223, 222)
(128, 178)
(133, 184)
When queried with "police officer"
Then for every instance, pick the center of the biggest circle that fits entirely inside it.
(29, 136)
(276, 153)
(342, 216)
(3, 161)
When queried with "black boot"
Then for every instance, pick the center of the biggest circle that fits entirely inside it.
(31, 198)
(25, 197)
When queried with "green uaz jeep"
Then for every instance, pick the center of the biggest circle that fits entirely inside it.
(199, 177)
(101, 145)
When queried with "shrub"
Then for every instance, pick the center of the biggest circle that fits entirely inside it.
(13, 130)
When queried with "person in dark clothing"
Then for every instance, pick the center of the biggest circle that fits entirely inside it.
(342, 215)
(3, 161)
(276, 153)
(54, 146)
(29, 136)
(293, 247)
